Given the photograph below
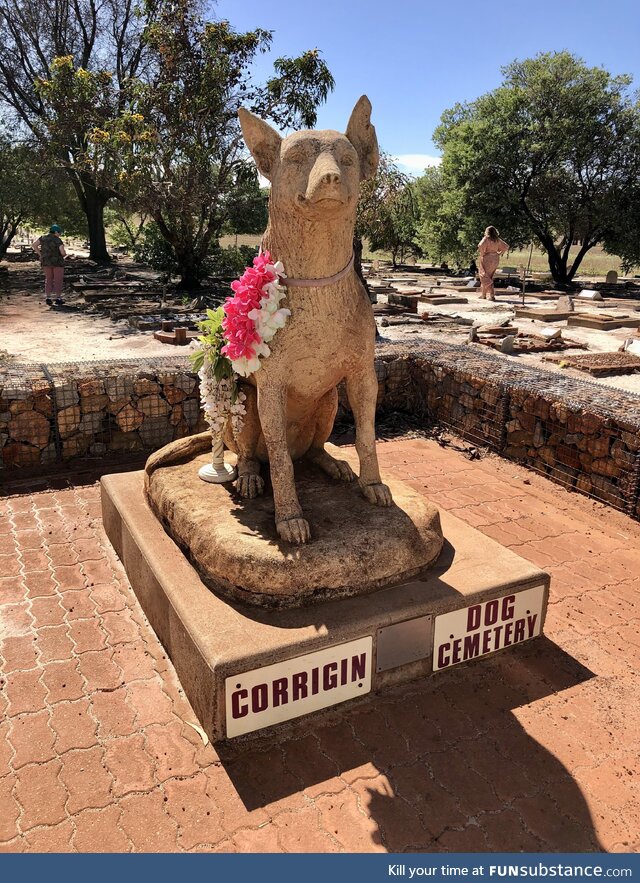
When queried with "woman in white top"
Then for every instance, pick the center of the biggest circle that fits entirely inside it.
(489, 250)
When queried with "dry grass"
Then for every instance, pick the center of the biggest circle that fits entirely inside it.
(596, 263)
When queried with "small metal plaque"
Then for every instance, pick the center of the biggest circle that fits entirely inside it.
(403, 642)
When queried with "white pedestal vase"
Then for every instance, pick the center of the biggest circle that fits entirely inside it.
(218, 472)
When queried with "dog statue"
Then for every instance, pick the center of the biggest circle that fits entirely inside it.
(292, 399)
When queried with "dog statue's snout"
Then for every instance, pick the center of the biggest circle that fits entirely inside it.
(332, 177)
(325, 179)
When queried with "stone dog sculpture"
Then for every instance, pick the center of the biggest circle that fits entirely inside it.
(292, 400)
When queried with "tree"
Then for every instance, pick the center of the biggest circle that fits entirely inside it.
(187, 166)
(65, 69)
(30, 193)
(18, 189)
(387, 211)
(552, 156)
(125, 228)
(446, 230)
(624, 237)
(246, 208)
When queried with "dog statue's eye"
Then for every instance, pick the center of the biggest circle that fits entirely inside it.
(347, 160)
(296, 156)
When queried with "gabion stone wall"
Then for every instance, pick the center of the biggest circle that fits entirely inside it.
(55, 413)
(580, 434)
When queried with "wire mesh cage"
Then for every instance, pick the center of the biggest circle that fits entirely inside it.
(55, 413)
(580, 434)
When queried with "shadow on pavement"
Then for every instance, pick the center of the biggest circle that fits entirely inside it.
(444, 764)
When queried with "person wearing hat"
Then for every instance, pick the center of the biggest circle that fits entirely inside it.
(50, 250)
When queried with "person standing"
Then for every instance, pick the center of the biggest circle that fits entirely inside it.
(50, 250)
(489, 250)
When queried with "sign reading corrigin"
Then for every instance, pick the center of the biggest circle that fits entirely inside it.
(484, 628)
(289, 689)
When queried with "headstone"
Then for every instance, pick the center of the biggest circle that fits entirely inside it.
(565, 304)
(507, 344)
(472, 283)
(632, 346)
(549, 333)
(612, 278)
(590, 294)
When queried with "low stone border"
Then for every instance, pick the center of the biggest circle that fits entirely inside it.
(54, 413)
(580, 434)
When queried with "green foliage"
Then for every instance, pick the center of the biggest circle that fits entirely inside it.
(623, 239)
(292, 97)
(65, 72)
(187, 167)
(548, 156)
(33, 194)
(246, 203)
(125, 228)
(229, 261)
(212, 340)
(387, 211)
(153, 249)
(138, 101)
(447, 232)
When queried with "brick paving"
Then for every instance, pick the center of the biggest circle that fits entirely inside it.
(532, 749)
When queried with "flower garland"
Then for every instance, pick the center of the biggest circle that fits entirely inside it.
(234, 340)
(253, 315)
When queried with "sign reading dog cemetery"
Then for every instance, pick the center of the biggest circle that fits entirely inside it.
(289, 689)
(484, 628)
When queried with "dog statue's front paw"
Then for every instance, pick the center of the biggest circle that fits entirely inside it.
(250, 486)
(377, 493)
(294, 530)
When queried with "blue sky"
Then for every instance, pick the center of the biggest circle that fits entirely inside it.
(414, 59)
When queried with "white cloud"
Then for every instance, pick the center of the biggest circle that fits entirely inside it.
(415, 163)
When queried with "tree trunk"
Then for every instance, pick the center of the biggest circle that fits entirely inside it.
(6, 237)
(92, 201)
(94, 209)
(190, 269)
(562, 274)
(357, 266)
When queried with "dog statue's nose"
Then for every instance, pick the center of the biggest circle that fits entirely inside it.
(331, 178)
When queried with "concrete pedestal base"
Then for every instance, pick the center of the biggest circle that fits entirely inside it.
(245, 669)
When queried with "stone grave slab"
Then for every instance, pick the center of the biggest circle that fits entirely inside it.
(541, 314)
(246, 670)
(443, 298)
(410, 301)
(176, 339)
(603, 323)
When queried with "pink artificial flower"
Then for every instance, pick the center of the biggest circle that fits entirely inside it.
(239, 330)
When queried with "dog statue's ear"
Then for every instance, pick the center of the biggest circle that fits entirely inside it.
(362, 135)
(263, 141)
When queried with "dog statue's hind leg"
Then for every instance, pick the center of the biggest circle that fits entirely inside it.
(324, 418)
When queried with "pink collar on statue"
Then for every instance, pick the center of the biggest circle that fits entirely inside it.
(318, 283)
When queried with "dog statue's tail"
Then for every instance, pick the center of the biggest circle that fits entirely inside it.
(177, 452)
